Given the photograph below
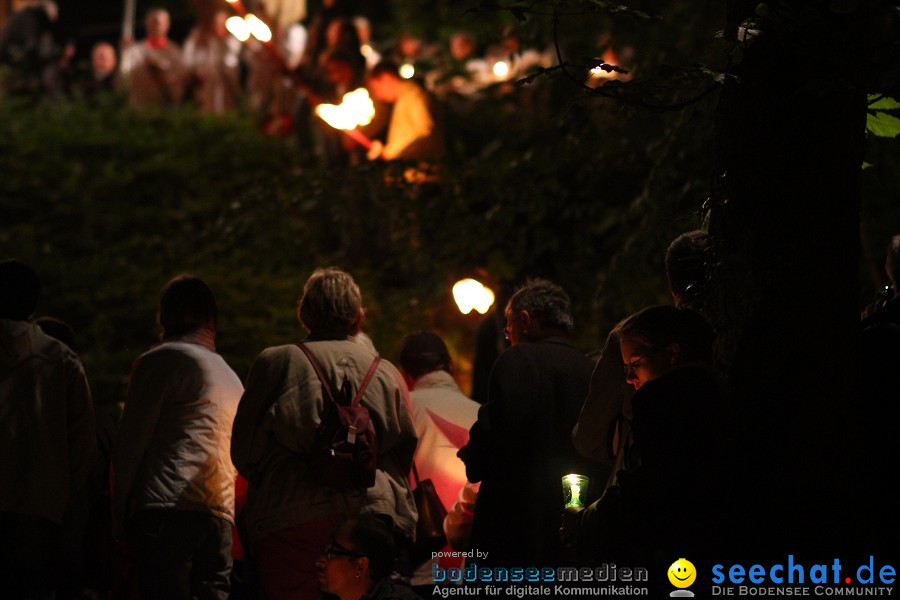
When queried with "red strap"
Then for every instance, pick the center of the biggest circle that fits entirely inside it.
(318, 369)
(365, 383)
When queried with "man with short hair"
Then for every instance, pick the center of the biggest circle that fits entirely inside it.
(47, 440)
(521, 447)
(173, 478)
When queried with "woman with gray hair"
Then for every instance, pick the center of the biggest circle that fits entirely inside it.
(291, 509)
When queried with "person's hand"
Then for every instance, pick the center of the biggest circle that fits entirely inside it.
(568, 530)
(375, 151)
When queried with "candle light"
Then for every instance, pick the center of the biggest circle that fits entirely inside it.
(573, 486)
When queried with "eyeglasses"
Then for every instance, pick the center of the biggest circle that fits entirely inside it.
(335, 550)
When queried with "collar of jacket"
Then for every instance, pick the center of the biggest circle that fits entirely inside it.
(202, 337)
(435, 379)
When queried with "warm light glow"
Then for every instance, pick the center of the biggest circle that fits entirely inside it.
(237, 27)
(573, 485)
(259, 29)
(232, 1)
(501, 69)
(366, 50)
(470, 294)
(407, 71)
(355, 109)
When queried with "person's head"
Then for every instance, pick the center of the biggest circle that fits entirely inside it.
(20, 289)
(538, 309)
(331, 305)
(659, 339)
(384, 82)
(103, 59)
(157, 23)
(341, 33)
(409, 45)
(462, 45)
(360, 553)
(892, 263)
(686, 267)
(423, 352)
(187, 305)
(340, 66)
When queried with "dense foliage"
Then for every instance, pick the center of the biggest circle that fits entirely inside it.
(542, 180)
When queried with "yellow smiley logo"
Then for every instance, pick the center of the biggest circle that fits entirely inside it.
(682, 573)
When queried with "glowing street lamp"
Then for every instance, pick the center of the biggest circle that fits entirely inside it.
(472, 295)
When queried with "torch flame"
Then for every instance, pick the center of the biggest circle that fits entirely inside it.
(259, 29)
(243, 27)
(355, 109)
(238, 27)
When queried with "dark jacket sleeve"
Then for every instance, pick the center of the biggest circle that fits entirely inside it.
(496, 438)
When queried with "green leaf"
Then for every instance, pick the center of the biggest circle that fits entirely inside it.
(866, 165)
(882, 102)
(882, 124)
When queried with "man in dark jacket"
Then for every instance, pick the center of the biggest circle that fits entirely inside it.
(520, 447)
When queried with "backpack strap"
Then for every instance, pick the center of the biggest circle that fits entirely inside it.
(325, 384)
(318, 369)
(362, 388)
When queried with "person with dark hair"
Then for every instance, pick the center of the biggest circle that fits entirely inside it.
(414, 131)
(442, 416)
(664, 503)
(603, 428)
(291, 510)
(520, 447)
(47, 442)
(173, 495)
(870, 422)
(33, 49)
(356, 563)
(686, 269)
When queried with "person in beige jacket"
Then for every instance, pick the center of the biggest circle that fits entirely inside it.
(290, 514)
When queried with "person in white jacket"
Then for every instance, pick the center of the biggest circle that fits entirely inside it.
(173, 476)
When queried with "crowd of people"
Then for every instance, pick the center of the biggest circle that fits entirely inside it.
(325, 470)
(279, 81)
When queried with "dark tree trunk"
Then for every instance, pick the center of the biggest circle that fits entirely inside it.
(785, 228)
